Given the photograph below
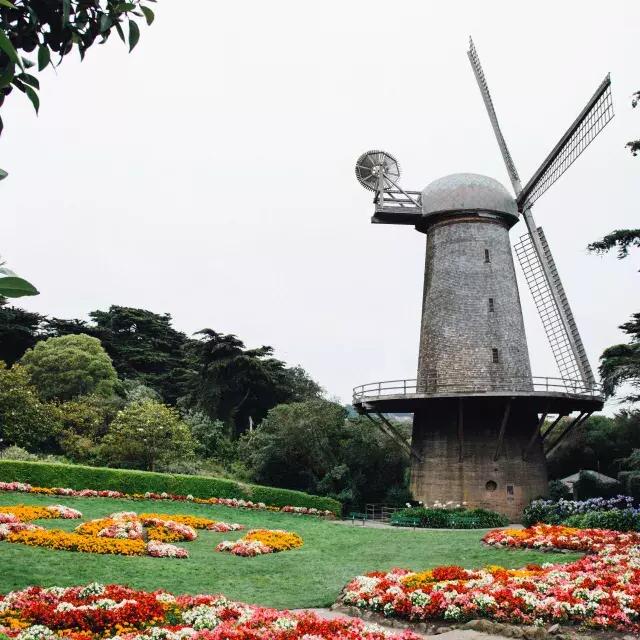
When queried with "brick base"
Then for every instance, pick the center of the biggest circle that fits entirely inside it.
(505, 485)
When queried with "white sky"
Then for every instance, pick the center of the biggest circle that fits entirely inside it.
(210, 174)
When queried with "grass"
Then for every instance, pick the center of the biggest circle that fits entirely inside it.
(308, 577)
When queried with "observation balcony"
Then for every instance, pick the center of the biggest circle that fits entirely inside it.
(552, 395)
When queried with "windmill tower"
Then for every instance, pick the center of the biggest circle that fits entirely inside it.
(477, 409)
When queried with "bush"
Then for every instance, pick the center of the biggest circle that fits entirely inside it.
(557, 511)
(558, 490)
(70, 366)
(616, 520)
(130, 481)
(25, 421)
(634, 485)
(589, 485)
(17, 453)
(147, 434)
(434, 518)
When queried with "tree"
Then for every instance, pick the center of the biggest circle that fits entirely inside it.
(235, 384)
(56, 27)
(24, 420)
(70, 366)
(19, 331)
(622, 239)
(310, 446)
(634, 145)
(143, 346)
(620, 363)
(146, 434)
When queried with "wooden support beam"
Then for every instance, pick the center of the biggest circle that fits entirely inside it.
(503, 429)
(460, 430)
(578, 421)
(385, 426)
(553, 425)
(536, 431)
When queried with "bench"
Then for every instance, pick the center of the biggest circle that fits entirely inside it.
(355, 515)
(405, 521)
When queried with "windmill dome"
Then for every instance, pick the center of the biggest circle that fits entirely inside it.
(467, 192)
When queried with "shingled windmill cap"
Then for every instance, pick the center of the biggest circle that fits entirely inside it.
(467, 192)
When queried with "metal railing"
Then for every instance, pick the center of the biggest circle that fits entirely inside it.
(394, 198)
(409, 387)
(379, 512)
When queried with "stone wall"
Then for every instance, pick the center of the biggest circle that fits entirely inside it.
(471, 307)
(505, 485)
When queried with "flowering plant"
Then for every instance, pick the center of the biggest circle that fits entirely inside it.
(601, 590)
(97, 612)
(260, 541)
(555, 511)
(23, 487)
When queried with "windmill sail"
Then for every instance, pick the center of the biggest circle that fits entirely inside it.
(597, 113)
(563, 348)
(533, 250)
(488, 103)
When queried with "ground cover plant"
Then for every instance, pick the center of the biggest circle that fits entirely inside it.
(309, 576)
(448, 517)
(600, 590)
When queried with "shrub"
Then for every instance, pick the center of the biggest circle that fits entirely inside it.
(616, 520)
(146, 434)
(557, 511)
(558, 490)
(589, 485)
(634, 485)
(435, 518)
(25, 421)
(69, 366)
(131, 481)
(17, 453)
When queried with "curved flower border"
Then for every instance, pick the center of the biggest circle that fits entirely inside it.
(97, 612)
(227, 502)
(601, 590)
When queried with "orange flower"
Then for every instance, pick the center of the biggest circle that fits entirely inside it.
(276, 539)
(63, 540)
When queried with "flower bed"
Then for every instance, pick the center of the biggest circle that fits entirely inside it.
(26, 513)
(196, 522)
(555, 511)
(601, 590)
(260, 541)
(92, 493)
(121, 533)
(96, 612)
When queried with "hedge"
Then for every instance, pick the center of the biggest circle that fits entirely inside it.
(44, 474)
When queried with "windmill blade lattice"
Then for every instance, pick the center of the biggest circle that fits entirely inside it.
(572, 363)
(488, 102)
(592, 120)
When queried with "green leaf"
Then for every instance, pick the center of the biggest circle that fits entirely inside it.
(7, 47)
(118, 27)
(15, 287)
(148, 14)
(125, 6)
(33, 96)
(27, 78)
(105, 22)
(6, 3)
(134, 34)
(7, 75)
(3, 173)
(44, 56)
(66, 8)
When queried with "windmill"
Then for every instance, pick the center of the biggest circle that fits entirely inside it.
(478, 411)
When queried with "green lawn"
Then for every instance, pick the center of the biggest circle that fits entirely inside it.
(308, 577)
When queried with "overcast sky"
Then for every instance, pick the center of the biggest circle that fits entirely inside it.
(210, 174)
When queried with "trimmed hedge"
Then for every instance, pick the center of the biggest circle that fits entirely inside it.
(44, 474)
(451, 518)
